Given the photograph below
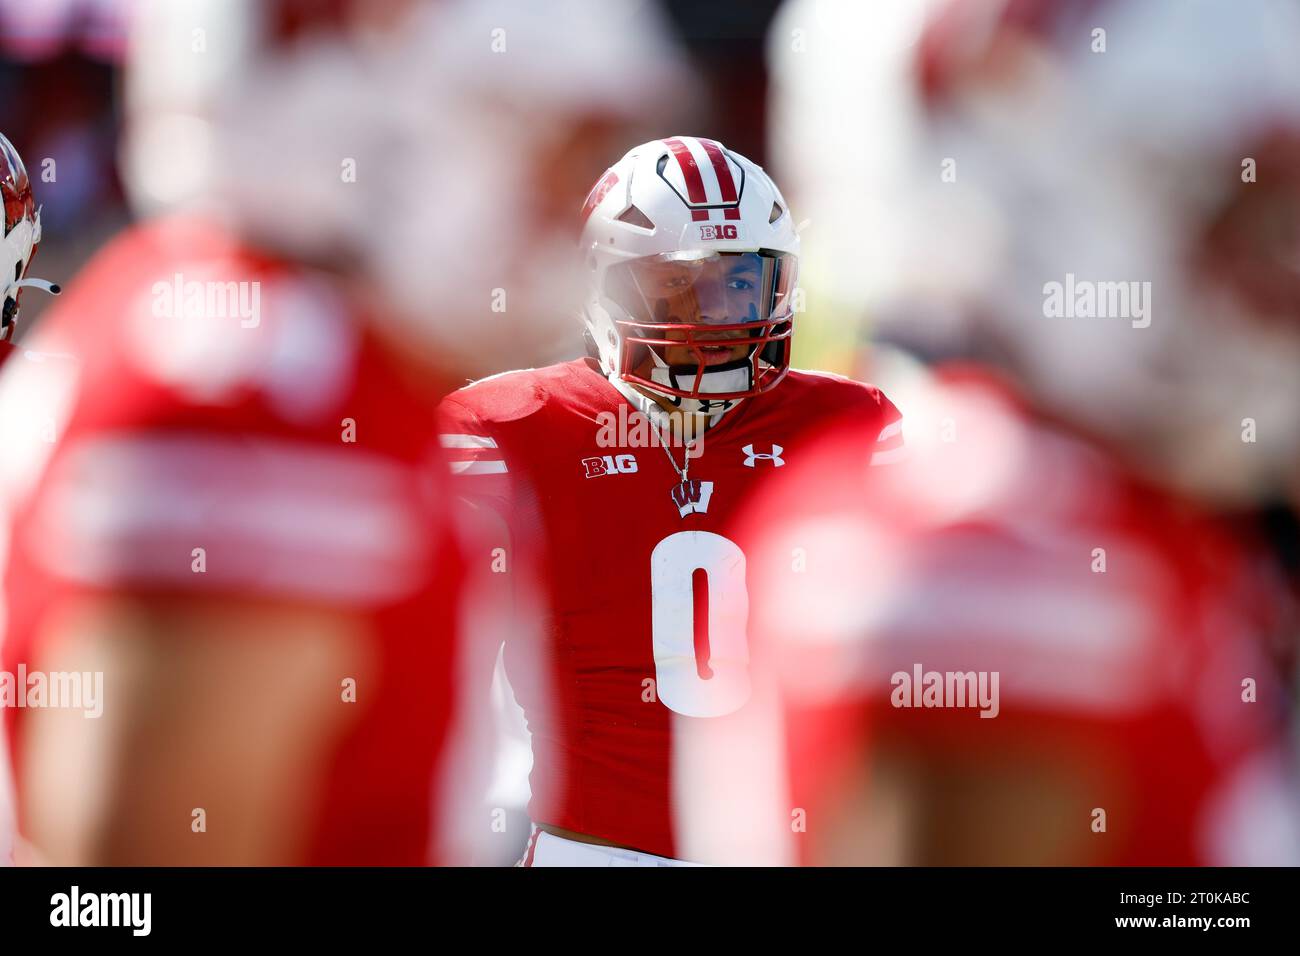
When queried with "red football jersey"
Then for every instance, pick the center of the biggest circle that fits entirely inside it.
(1127, 632)
(7, 351)
(647, 652)
(236, 432)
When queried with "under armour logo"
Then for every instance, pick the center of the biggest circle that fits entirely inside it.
(775, 457)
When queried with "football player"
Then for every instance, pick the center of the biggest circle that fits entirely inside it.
(22, 234)
(272, 574)
(619, 474)
(237, 547)
(1061, 526)
(1054, 661)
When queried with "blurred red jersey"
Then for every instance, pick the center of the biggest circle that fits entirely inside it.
(7, 351)
(647, 650)
(1009, 599)
(236, 433)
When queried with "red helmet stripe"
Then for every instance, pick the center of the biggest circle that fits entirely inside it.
(691, 173)
(725, 183)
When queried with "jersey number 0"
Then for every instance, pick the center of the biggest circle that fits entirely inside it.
(700, 609)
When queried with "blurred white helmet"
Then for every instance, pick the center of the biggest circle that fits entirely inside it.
(515, 108)
(1106, 198)
(266, 113)
(688, 245)
(422, 146)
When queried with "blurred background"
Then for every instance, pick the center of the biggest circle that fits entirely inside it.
(1068, 227)
(65, 97)
(60, 76)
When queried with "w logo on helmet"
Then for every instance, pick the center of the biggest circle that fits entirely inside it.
(774, 456)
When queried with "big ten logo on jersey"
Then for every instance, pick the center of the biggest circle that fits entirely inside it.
(609, 465)
(726, 230)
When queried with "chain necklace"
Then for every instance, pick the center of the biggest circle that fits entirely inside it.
(685, 493)
(684, 471)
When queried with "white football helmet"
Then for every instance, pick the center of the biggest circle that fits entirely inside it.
(686, 246)
(1000, 155)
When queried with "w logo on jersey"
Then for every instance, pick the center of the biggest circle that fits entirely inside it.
(692, 496)
(774, 456)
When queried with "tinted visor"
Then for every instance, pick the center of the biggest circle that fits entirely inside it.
(710, 288)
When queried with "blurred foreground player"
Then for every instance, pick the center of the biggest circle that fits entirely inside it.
(242, 525)
(1065, 650)
(22, 235)
(1033, 637)
(621, 473)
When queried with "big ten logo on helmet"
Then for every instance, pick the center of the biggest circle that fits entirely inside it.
(609, 465)
(632, 428)
(726, 230)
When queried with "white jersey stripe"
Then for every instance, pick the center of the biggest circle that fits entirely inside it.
(890, 430)
(478, 467)
(468, 441)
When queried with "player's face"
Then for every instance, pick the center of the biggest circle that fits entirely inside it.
(725, 290)
(740, 280)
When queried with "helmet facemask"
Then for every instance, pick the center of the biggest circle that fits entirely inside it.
(703, 329)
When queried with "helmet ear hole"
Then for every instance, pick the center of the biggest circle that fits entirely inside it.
(777, 213)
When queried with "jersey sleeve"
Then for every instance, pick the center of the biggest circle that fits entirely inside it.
(203, 512)
(147, 491)
(850, 415)
(477, 463)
